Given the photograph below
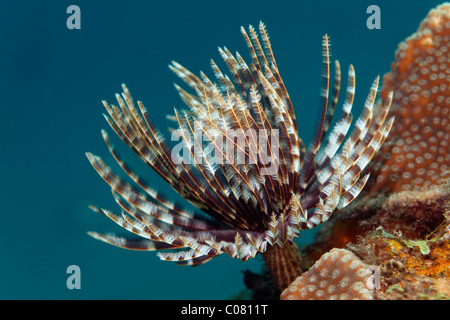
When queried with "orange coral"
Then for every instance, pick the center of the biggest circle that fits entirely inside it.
(337, 275)
(437, 263)
(416, 154)
(408, 273)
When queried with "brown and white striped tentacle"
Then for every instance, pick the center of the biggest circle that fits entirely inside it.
(308, 168)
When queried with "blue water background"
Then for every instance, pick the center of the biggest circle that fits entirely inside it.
(52, 81)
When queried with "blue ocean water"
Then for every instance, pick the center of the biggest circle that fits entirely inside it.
(52, 81)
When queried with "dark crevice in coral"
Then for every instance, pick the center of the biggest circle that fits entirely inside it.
(261, 286)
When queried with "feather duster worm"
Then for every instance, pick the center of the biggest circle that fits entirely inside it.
(252, 176)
